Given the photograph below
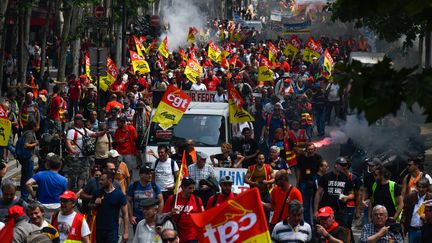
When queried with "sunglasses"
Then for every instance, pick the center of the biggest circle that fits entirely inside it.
(166, 240)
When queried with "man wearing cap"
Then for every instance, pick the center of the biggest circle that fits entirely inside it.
(181, 206)
(201, 170)
(141, 190)
(378, 231)
(124, 142)
(122, 175)
(412, 217)
(327, 229)
(334, 190)
(78, 168)
(50, 185)
(71, 225)
(366, 190)
(226, 194)
(149, 229)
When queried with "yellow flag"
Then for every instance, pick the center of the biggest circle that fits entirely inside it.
(139, 63)
(313, 49)
(163, 48)
(238, 114)
(138, 45)
(193, 70)
(214, 52)
(112, 72)
(264, 71)
(87, 67)
(5, 128)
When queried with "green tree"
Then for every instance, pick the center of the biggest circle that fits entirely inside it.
(380, 90)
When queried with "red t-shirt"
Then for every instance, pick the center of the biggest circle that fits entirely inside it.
(186, 228)
(112, 104)
(220, 199)
(211, 83)
(74, 90)
(116, 87)
(277, 196)
(55, 106)
(127, 147)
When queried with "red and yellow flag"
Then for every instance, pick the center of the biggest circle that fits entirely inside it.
(171, 108)
(241, 219)
(151, 46)
(272, 54)
(213, 52)
(139, 63)
(139, 46)
(224, 62)
(236, 102)
(292, 47)
(193, 69)
(183, 54)
(112, 72)
(87, 67)
(163, 47)
(182, 173)
(313, 49)
(191, 35)
(327, 63)
(264, 71)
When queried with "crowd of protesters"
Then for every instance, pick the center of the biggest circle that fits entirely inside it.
(87, 157)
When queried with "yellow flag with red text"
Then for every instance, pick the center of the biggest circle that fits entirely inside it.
(193, 70)
(293, 47)
(87, 67)
(313, 49)
(139, 63)
(264, 71)
(139, 46)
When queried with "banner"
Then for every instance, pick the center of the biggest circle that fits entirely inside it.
(163, 48)
(240, 219)
(193, 70)
(87, 67)
(293, 47)
(191, 35)
(5, 128)
(264, 71)
(112, 72)
(214, 52)
(171, 108)
(139, 46)
(313, 49)
(139, 63)
(237, 174)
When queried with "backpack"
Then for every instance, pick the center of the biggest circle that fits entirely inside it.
(88, 145)
(172, 167)
(21, 152)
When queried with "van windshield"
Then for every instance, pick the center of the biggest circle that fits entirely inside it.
(204, 130)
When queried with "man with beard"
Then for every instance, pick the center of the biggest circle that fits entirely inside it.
(226, 194)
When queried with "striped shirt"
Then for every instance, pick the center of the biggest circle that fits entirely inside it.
(283, 232)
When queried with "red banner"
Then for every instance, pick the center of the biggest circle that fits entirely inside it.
(241, 219)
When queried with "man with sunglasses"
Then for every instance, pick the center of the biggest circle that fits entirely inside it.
(226, 194)
(334, 190)
(169, 236)
(71, 225)
(414, 167)
(411, 219)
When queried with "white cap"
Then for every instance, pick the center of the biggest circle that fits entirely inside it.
(113, 153)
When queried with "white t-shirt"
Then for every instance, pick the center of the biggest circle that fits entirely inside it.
(163, 174)
(65, 223)
(79, 143)
(220, 98)
(198, 87)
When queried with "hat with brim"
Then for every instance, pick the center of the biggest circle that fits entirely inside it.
(325, 212)
(148, 202)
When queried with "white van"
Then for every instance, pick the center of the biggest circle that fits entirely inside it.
(207, 124)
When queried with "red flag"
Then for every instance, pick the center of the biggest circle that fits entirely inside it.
(240, 219)
(233, 94)
(183, 54)
(183, 172)
(6, 234)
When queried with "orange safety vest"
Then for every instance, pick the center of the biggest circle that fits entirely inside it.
(300, 141)
(75, 230)
(306, 118)
(290, 155)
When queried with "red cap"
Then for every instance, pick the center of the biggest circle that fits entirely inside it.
(325, 212)
(69, 195)
(43, 92)
(84, 76)
(16, 211)
(287, 80)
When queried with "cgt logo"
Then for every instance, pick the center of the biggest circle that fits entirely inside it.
(236, 222)
(176, 101)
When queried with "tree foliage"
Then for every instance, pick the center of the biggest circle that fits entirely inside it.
(380, 90)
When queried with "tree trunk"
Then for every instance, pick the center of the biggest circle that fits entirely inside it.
(3, 7)
(76, 43)
(118, 44)
(67, 15)
(420, 51)
(428, 49)
(23, 40)
(44, 38)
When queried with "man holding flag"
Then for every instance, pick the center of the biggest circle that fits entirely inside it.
(181, 206)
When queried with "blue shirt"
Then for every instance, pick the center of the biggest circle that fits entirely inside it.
(50, 186)
(139, 193)
(108, 212)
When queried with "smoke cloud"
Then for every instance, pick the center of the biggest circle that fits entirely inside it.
(180, 16)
